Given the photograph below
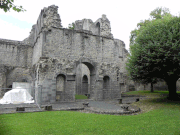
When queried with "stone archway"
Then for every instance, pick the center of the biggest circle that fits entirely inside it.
(81, 71)
(91, 78)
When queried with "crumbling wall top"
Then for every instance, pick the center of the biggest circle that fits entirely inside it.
(47, 19)
(51, 17)
(101, 27)
(13, 42)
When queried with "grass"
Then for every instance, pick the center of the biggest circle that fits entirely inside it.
(149, 93)
(159, 116)
(154, 101)
(80, 97)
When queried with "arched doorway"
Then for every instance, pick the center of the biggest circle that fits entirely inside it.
(84, 85)
(60, 86)
(81, 70)
(106, 87)
(91, 77)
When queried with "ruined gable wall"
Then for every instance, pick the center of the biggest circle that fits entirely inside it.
(47, 19)
(59, 51)
(71, 44)
(64, 47)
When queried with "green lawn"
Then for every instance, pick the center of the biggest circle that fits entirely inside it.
(159, 116)
(149, 93)
(80, 97)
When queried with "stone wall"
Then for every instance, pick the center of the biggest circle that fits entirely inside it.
(18, 74)
(60, 51)
(37, 49)
(15, 53)
(3, 71)
(71, 44)
(101, 27)
(15, 62)
(51, 50)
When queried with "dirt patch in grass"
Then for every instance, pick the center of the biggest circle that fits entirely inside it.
(154, 101)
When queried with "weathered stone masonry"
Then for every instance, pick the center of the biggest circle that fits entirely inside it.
(57, 59)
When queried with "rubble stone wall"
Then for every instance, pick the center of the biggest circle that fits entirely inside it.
(51, 50)
(15, 53)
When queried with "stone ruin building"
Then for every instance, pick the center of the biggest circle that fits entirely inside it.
(65, 62)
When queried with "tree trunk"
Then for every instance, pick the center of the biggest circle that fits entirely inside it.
(152, 90)
(172, 89)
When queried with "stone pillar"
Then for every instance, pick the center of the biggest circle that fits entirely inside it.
(70, 88)
(2, 80)
(99, 89)
(92, 86)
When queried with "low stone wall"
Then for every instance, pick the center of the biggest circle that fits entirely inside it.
(131, 110)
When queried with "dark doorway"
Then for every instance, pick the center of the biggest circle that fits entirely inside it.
(84, 85)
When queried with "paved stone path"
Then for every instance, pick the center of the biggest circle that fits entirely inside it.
(101, 106)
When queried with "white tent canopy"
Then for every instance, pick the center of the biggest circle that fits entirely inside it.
(16, 96)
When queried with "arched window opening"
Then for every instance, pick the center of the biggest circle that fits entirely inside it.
(60, 82)
(106, 81)
(98, 28)
(60, 86)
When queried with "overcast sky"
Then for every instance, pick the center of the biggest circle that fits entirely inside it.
(123, 15)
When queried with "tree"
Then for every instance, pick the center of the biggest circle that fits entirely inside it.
(155, 52)
(6, 5)
(157, 13)
(136, 31)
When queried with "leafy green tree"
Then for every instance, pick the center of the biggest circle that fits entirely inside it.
(155, 53)
(135, 32)
(157, 13)
(6, 5)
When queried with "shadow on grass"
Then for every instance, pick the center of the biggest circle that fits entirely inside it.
(164, 100)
